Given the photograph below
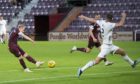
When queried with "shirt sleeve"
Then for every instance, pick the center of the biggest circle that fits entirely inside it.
(113, 25)
(91, 27)
(99, 22)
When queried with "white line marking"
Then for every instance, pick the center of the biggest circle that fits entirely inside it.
(39, 69)
(66, 76)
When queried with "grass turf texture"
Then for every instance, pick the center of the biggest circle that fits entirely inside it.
(67, 64)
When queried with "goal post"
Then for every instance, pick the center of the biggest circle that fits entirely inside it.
(136, 35)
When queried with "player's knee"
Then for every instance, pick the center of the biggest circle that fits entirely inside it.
(20, 57)
(98, 60)
(25, 55)
(121, 52)
(88, 50)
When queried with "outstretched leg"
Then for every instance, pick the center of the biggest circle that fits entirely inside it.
(88, 65)
(86, 50)
(126, 57)
(29, 58)
(82, 49)
(107, 63)
(32, 60)
(22, 63)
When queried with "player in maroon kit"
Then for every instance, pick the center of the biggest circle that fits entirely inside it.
(17, 51)
(93, 39)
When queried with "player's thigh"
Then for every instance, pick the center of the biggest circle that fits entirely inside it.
(21, 51)
(98, 60)
(91, 44)
(14, 50)
(114, 49)
(120, 51)
(104, 52)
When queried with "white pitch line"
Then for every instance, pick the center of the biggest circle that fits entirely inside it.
(39, 69)
(66, 76)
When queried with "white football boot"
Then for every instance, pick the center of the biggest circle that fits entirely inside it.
(38, 64)
(107, 63)
(74, 48)
(27, 70)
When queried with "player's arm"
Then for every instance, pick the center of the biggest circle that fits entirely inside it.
(91, 34)
(92, 20)
(121, 23)
(26, 37)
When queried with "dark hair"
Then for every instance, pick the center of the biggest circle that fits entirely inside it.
(109, 17)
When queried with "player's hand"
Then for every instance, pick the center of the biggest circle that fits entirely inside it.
(95, 40)
(123, 14)
(81, 17)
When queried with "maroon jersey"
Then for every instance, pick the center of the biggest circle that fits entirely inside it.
(12, 43)
(13, 36)
(95, 30)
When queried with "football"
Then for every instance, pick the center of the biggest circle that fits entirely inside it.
(51, 64)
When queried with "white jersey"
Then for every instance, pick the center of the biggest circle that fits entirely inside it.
(3, 24)
(106, 31)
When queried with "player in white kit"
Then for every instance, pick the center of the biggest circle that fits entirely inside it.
(3, 24)
(107, 45)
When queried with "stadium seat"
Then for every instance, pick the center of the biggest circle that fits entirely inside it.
(131, 7)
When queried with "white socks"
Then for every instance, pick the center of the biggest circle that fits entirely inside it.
(89, 64)
(126, 58)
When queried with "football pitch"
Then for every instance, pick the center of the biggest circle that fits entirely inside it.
(67, 65)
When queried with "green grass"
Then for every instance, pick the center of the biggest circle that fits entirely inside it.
(67, 64)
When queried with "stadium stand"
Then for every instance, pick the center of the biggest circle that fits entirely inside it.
(8, 10)
(45, 7)
(131, 7)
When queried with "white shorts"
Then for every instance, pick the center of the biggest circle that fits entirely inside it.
(106, 49)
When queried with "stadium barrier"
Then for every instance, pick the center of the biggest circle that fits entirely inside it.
(67, 36)
(54, 36)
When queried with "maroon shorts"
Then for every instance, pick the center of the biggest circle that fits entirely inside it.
(91, 44)
(16, 50)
